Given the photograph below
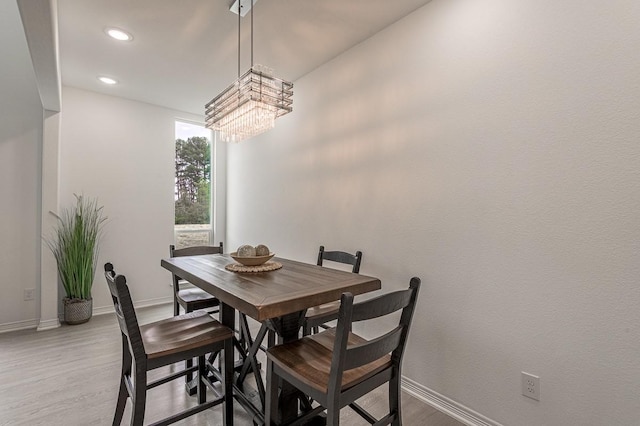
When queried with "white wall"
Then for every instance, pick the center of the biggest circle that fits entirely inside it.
(123, 152)
(491, 148)
(20, 145)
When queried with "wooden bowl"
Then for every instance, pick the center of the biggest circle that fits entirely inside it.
(252, 260)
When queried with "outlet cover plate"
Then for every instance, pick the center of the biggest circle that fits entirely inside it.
(29, 294)
(531, 386)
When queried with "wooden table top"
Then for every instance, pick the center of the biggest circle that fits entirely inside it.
(294, 287)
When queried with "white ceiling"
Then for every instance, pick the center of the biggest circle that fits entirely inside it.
(185, 52)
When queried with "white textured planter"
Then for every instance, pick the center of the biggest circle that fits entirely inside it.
(77, 311)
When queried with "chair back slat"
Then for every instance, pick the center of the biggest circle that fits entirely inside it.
(124, 309)
(381, 305)
(195, 251)
(341, 257)
(365, 353)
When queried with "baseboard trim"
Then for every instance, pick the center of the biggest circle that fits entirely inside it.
(55, 323)
(18, 325)
(48, 324)
(101, 310)
(446, 405)
(154, 302)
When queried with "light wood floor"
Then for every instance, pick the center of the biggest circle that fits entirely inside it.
(69, 376)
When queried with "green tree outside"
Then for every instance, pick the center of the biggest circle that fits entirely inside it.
(193, 181)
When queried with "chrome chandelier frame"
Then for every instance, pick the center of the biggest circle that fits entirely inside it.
(250, 105)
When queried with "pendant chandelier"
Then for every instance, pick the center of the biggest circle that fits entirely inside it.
(252, 103)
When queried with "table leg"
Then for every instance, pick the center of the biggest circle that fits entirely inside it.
(245, 363)
(228, 318)
(288, 329)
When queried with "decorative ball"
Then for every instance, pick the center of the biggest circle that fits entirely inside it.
(262, 250)
(246, 251)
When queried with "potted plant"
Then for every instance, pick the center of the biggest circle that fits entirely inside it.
(75, 247)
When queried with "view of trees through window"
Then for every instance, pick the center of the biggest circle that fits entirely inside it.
(192, 184)
(193, 180)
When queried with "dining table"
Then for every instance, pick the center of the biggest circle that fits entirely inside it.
(279, 297)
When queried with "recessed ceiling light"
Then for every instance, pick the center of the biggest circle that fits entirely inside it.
(108, 80)
(118, 34)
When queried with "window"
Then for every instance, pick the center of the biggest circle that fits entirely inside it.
(193, 194)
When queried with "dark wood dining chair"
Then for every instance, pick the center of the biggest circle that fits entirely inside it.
(192, 299)
(318, 316)
(166, 342)
(336, 366)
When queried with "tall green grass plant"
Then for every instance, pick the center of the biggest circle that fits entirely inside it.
(75, 246)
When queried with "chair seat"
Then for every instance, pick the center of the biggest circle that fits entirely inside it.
(196, 299)
(182, 333)
(323, 313)
(309, 359)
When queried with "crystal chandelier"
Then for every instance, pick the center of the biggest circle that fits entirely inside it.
(252, 103)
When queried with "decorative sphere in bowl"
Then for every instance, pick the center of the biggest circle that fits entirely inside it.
(246, 251)
(262, 250)
(251, 260)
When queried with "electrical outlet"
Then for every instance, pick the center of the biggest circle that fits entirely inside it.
(29, 293)
(531, 386)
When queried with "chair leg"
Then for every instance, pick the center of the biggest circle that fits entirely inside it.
(188, 363)
(176, 307)
(123, 393)
(394, 400)
(122, 401)
(271, 404)
(333, 407)
(202, 374)
(189, 377)
(333, 415)
(227, 378)
(139, 394)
